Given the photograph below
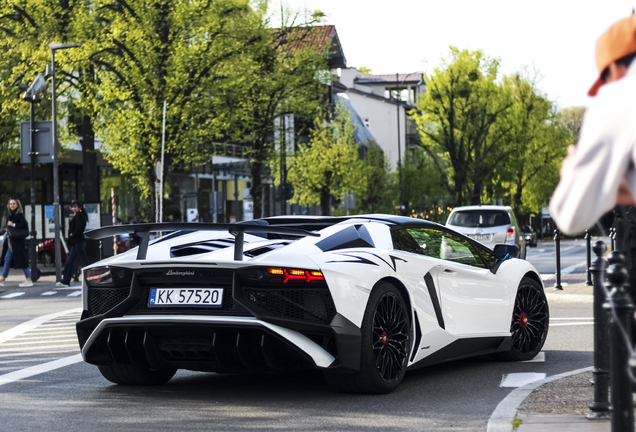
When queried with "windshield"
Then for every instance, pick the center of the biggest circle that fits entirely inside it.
(479, 218)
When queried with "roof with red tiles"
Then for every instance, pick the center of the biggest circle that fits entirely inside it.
(324, 39)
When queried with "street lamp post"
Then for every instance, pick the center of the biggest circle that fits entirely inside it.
(32, 96)
(56, 180)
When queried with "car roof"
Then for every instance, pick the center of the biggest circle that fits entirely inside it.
(482, 207)
(332, 220)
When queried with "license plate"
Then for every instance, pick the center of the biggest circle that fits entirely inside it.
(202, 297)
(480, 237)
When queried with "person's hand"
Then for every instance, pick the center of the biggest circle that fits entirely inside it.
(624, 196)
(11, 224)
(568, 159)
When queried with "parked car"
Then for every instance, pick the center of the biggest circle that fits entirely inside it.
(530, 235)
(46, 249)
(360, 298)
(489, 225)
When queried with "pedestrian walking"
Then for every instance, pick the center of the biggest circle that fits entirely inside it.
(599, 172)
(77, 241)
(15, 230)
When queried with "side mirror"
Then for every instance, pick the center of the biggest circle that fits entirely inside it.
(505, 251)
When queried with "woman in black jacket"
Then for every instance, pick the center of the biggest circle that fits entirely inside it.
(13, 249)
(76, 239)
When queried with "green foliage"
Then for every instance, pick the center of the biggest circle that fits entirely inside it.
(463, 122)
(381, 192)
(365, 70)
(423, 187)
(282, 74)
(572, 120)
(183, 52)
(329, 165)
(491, 138)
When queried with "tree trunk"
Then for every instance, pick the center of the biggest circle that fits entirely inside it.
(325, 202)
(517, 197)
(257, 188)
(475, 199)
(90, 175)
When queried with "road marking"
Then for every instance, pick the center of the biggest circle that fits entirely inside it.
(571, 324)
(36, 370)
(30, 325)
(27, 349)
(539, 358)
(571, 318)
(75, 294)
(502, 417)
(12, 295)
(519, 379)
(68, 288)
(23, 353)
(48, 293)
(32, 342)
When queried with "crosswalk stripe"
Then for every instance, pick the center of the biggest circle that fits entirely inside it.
(30, 325)
(75, 294)
(48, 293)
(12, 295)
(25, 353)
(40, 338)
(11, 344)
(36, 370)
(26, 349)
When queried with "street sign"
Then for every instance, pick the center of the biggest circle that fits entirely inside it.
(42, 141)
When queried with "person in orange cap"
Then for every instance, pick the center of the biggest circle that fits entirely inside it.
(599, 172)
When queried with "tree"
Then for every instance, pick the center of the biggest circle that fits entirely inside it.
(379, 196)
(330, 164)
(463, 124)
(286, 72)
(186, 53)
(572, 119)
(28, 27)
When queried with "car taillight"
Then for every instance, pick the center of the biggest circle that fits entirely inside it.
(511, 231)
(99, 276)
(280, 275)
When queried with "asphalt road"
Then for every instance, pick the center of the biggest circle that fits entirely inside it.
(573, 256)
(455, 396)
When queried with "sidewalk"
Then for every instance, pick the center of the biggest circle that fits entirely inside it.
(560, 404)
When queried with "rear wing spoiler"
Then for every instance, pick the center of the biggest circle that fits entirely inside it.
(237, 230)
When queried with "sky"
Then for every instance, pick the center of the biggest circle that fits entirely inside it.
(555, 37)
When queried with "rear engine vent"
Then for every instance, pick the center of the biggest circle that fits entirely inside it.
(199, 247)
(264, 249)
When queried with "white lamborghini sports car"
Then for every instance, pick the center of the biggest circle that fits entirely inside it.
(362, 298)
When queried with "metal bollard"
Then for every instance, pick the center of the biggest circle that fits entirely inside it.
(557, 244)
(620, 341)
(613, 238)
(600, 407)
(588, 249)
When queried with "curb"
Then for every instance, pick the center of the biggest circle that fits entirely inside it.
(502, 417)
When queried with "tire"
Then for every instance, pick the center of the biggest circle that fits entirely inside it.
(47, 259)
(385, 347)
(529, 324)
(136, 375)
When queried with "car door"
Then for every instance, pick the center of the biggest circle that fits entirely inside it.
(474, 301)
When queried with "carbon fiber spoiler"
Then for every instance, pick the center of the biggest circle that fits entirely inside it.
(238, 230)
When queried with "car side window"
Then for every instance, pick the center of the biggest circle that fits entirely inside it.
(457, 249)
(403, 241)
(428, 240)
(488, 258)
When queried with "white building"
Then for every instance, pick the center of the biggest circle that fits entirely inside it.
(380, 100)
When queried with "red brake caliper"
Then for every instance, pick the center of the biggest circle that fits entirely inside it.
(384, 338)
(523, 319)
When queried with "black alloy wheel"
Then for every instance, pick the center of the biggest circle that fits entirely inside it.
(530, 321)
(390, 337)
(385, 345)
